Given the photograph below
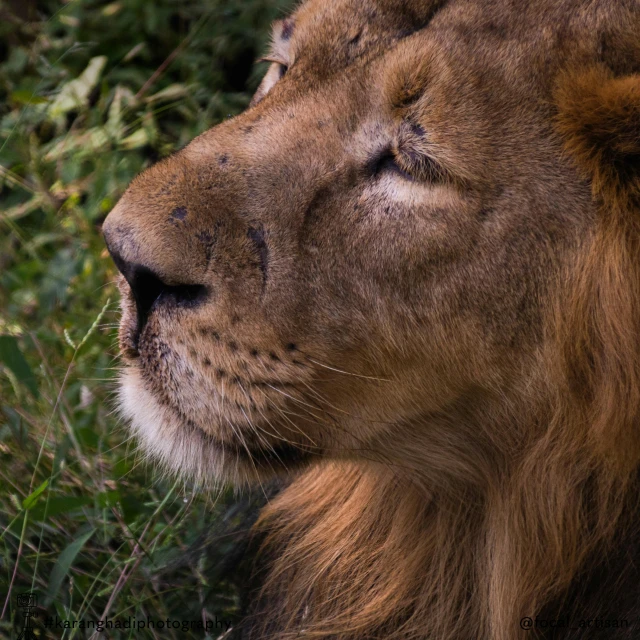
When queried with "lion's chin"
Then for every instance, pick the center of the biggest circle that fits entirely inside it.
(176, 448)
(190, 452)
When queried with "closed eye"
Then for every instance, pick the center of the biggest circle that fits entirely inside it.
(280, 67)
(409, 165)
(272, 77)
(275, 73)
(388, 163)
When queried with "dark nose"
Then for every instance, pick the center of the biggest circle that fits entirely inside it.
(148, 289)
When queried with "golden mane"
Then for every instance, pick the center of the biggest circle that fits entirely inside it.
(361, 551)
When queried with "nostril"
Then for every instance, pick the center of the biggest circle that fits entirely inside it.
(147, 288)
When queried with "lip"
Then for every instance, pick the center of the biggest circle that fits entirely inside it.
(284, 455)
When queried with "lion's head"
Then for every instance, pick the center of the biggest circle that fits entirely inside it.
(408, 273)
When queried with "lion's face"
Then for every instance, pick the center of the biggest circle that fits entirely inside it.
(368, 246)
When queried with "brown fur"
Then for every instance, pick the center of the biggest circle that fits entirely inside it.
(443, 351)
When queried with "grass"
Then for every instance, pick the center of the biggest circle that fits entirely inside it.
(91, 93)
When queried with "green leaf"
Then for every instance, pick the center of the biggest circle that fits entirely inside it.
(32, 498)
(54, 286)
(122, 98)
(23, 209)
(83, 144)
(172, 92)
(75, 94)
(63, 565)
(27, 97)
(12, 358)
(138, 139)
(58, 505)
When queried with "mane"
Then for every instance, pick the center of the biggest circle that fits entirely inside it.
(363, 550)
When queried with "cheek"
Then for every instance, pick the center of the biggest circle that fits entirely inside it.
(410, 231)
(385, 254)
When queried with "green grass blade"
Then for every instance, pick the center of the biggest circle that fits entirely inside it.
(63, 565)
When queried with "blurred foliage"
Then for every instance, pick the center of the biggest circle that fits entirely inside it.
(91, 93)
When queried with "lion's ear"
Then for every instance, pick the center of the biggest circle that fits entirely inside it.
(599, 120)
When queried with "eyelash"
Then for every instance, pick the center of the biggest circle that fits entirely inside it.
(410, 166)
(283, 67)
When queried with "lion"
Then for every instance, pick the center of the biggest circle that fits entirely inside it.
(407, 280)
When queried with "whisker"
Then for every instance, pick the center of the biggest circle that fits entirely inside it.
(251, 460)
(348, 373)
(273, 435)
(277, 407)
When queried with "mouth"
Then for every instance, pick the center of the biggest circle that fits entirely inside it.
(205, 401)
(247, 448)
(184, 448)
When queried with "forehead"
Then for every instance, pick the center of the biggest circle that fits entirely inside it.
(478, 74)
(331, 34)
(360, 25)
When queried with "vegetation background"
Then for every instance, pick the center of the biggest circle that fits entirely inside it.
(91, 93)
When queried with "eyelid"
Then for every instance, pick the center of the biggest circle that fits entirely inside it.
(422, 165)
(409, 164)
(273, 60)
(416, 151)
